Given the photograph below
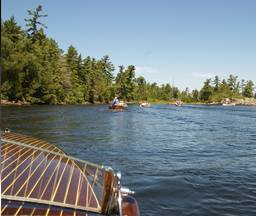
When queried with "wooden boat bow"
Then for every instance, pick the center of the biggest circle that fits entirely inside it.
(38, 178)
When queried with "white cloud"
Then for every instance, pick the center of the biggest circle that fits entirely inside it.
(147, 70)
(203, 75)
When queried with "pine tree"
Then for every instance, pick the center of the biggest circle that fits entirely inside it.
(206, 91)
(216, 83)
(248, 89)
(34, 21)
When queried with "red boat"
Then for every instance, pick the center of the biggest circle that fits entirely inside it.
(37, 178)
(178, 103)
(119, 106)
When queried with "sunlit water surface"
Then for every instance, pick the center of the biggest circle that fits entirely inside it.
(190, 160)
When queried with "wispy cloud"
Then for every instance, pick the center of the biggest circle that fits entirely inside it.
(144, 70)
(203, 75)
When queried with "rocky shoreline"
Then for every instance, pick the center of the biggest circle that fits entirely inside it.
(19, 103)
(246, 102)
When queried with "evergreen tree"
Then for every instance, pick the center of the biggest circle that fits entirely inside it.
(185, 96)
(216, 83)
(10, 29)
(176, 92)
(195, 95)
(121, 82)
(206, 91)
(224, 87)
(74, 68)
(130, 84)
(34, 21)
(141, 93)
(248, 89)
(242, 86)
(232, 82)
(154, 91)
(168, 92)
(107, 68)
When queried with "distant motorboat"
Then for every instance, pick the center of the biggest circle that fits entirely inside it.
(229, 104)
(178, 103)
(145, 104)
(119, 106)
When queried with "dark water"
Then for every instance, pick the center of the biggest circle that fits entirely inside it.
(190, 160)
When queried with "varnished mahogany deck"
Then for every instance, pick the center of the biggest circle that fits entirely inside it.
(37, 178)
(35, 171)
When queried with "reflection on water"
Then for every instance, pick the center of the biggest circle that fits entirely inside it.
(190, 160)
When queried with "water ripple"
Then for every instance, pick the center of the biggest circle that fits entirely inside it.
(190, 160)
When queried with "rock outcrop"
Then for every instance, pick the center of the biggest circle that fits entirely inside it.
(246, 101)
(19, 103)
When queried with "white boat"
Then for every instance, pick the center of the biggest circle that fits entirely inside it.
(145, 104)
(121, 103)
(229, 104)
(178, 103)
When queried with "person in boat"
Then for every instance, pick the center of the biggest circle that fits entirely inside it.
(114, 102)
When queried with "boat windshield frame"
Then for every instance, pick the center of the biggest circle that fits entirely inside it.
(107, 183)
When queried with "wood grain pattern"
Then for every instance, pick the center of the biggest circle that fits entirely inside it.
(38, 178)
(38, 175)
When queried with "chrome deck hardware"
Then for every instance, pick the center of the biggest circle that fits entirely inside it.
(125, 191)
(119, 192)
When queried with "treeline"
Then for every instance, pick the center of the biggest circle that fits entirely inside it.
(216, 90)
(35, 69)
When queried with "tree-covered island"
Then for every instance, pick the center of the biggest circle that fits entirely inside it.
(35, 70)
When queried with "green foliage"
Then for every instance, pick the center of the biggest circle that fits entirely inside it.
(33, 22)
(195, 96)
(206, 91)
(248, 89)
(10, 29)
(232, 82)
(125, 82)
(107, 69)
(4, 97)
(34, 68)
(91, 94)
(216, 83)
(75, 96)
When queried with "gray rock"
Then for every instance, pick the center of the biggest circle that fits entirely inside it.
(246, 101)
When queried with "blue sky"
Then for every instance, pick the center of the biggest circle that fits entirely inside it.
(186, 41)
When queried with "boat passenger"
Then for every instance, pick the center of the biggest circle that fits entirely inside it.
(114, 102)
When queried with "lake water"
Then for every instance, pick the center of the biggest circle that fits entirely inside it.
(189, 160)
